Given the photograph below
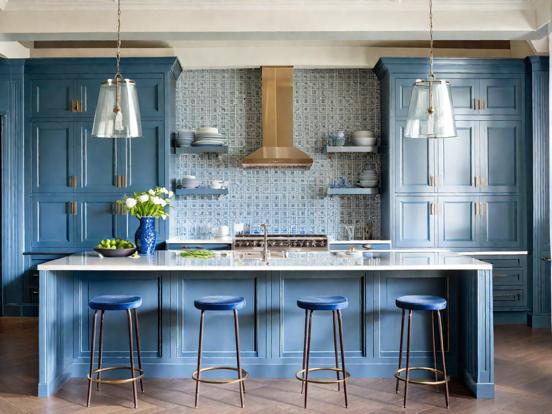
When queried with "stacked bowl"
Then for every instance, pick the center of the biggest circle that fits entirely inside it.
(208, 136)
(368, 179)
(363, 139)
(189, 181)
(185, 138)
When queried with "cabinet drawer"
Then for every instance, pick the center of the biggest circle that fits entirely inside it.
(508, 277)
(508, 299)
(505, 262)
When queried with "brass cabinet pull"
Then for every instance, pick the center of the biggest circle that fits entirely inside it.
(546, 258)
(477, 208)
(79, 106)
(73, 106)
(72, 207)
(73, 181)
(476, 181)
(482, 104)
(75, 208)
(124, 181)
(431, 210)
(431, 181)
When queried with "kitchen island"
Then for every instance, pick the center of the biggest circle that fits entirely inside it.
(271, 325)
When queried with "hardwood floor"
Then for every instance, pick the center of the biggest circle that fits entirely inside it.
(523, 377)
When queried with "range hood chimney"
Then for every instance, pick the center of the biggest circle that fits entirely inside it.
(277, 149)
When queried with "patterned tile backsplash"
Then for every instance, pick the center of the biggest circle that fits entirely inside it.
(289, 200)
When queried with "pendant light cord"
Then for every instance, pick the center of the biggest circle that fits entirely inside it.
(431, 74)
(118, 76)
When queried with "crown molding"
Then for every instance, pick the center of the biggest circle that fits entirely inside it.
(397, 5)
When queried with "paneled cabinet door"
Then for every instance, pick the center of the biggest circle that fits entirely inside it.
(52, 96)
(464, 92)
(151, 97)
(98, 162)
(501, 222)
(414, 222)
(415, 172)
(53, 220)
(500, 156)
(458, 226)
(97, 219)
(500, 97)
(457, 159)
(142, 158)
(87, 91)
(53, 156)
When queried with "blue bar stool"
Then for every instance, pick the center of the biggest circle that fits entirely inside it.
(435, 305)
(220, 303)
(323, 303)
(108, 303)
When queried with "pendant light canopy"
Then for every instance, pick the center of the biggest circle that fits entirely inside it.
(118, 110)
(430, 114)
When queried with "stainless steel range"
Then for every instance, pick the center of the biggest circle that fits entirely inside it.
(301, 242)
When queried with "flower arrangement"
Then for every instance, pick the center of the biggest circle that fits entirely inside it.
(151, 203)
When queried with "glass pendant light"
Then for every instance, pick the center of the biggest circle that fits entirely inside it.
(430, 114)
(118, 111)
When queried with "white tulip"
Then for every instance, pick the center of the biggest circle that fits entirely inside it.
(143, 198)
(151, 192)
(164, 190)
(170, 194)
(164, 216)
(162, 203)
(130, 202)
(158, 201)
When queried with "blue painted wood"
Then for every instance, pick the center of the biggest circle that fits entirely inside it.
(52, 96)
(271, 325)
(201, 191)
(458, 224)
(414, 222)
(501, 96)
(217, 149)
(53, 225)
(501, 222)
(352, 191)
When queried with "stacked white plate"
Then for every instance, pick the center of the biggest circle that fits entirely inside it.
(363, 138)
(208, 136)
(368, 179)
(189, 181)
(185, 137)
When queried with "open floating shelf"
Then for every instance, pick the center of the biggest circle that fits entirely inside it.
(204, 149)
(352, 191)
(350, 148)
(201, 191)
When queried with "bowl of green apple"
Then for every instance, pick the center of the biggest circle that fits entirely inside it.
(115, 248)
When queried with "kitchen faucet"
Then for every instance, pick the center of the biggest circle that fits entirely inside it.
(265, 242)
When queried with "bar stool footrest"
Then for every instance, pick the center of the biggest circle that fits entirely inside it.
(300, 375)
(439, 373)
(115, 380)
(244, 375)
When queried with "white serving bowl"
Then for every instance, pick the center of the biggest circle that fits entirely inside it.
(363, 141)
(207, 130)
(363, 134)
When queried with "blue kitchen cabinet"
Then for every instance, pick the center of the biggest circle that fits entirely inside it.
(501, 156)
(457, 219)
(53, 156)
(457, 164)
(52, 221)
(500, 96)
(502, 222)
(151, 96)
(415, 169)
(414, 222)
(97, 217)
(52, 96)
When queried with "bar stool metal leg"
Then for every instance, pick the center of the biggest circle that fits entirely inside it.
(199, 350)
(334, 316)
(443, 357)
(131, 349)
(433, 345)
(307, 359)
(305, 338)
(137, 330)
(340, 320)
(407, 356)
(99, 375)
(93, 341)
(237, 335)
(400, 350)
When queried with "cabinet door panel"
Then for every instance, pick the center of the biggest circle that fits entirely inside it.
(457, 159)
(416, 163)
(53, 224)
(500, 158)
(501, 222)
(52, 97)
(457, 222)
(96, 220)
(52, 156)
(143, 158)
(500, 96)
(151, 98)
(403, 92)
(463, 92)
(88, 90)
(414, 222)
(98, 163)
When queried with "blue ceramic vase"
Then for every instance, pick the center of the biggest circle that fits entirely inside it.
(146, 237)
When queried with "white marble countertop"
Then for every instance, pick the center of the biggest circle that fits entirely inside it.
(304, 261)
(226, 240)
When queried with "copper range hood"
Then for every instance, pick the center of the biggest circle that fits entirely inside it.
(277, 149)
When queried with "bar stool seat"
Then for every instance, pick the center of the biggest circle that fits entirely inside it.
(323, 303)
(433, 304)
(115, 302)
(328, 303)
(128, 304)
(421, 302)
(219, 303)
